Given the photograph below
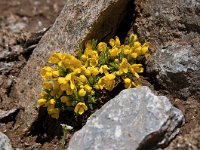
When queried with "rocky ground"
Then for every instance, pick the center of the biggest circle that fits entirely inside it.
(23, 23)
(21, 20)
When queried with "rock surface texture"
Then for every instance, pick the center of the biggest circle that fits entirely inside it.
(4, 142)
(79, 20)
(134, 119)
(187, 141)
(173, 29)
(4, 114)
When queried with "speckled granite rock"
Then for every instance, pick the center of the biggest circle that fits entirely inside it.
(177, 69)
(173, 29)
(4, 142)
(134, 119)
(79, 20)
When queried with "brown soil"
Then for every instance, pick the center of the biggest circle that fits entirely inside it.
(18, 20)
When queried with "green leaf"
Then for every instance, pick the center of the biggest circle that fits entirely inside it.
(91, 80)
(94, 44)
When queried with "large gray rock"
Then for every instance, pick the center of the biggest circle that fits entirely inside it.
(134, 119)
(173, 30)
(79, 20)
(177, 69)
(4, 142)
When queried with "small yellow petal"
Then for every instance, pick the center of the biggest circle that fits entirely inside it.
(62, 80)
(66, 100)
(52, 101)
(47, 85)
(134, 55)
(81, 110)
(82, 92)
(101, 46)
(133, 37)
(41, 102)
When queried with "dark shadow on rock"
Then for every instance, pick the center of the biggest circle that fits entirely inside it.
(114, 21)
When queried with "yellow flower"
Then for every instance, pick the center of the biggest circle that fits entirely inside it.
(115, 42)
(124, 66)
(134, 55)
(93, 61)
(94, 58)
(104, 69)
(62, 80)
(135, 69)
(43, 94)
(84, 57)
(55, 74)
(56, 85)
(100, 84)
(66, 100)
(137, 48)
(127, 83)
(101, 46)
(56, 93)
(46, 72)
(114, 51)
(94, 70)
(127, 49)
(87, 88)
(55, 58)
(47, 85)
(82, 92)
(88, 45)
(85, 71)
(106, 82)
(133, 38)
(109, 82)
(69, 91)
(71, 62)
(90, 57)
(145, 48)
(41, 102)
(80, 108)
(83, 78)
(51, 102)
(53, 112)
(76, 71)
(68, 83)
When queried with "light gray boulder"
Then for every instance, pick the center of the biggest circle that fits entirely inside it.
(4, 142)
(134, 119)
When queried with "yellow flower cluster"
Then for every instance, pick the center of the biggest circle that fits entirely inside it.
(71, 83)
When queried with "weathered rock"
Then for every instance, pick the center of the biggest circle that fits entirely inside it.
(4, 142)
(79, 20)
(4, 114)
(134, 119)
(188, 141)
(177, 69)
(173, 30)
